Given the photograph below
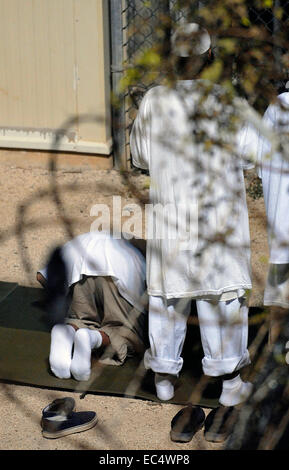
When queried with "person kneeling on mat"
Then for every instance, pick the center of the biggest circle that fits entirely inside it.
(108, 304)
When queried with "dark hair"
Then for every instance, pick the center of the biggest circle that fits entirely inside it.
(182, 62)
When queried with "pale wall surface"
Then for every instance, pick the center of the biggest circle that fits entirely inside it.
(54, 66)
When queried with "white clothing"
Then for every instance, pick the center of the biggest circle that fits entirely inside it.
(164, 385)
(99, 254)
(235, 391)
(193, 176)
(224, 335)
(274, 171)
(277, 286)
(70, 351)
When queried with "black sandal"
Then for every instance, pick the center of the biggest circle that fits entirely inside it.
(186, 423)
(219, 423)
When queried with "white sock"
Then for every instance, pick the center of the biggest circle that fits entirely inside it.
(164, 384)
(85, 340)
(62, 337)
(235, 391)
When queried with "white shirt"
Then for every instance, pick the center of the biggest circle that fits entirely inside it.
(98, 254)
(188, 170)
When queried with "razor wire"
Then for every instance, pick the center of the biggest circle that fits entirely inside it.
(137, 40)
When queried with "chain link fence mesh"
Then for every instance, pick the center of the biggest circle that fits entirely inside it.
(142, 18)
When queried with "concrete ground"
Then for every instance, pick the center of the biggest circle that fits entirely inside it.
(31, 224)
(123, 423)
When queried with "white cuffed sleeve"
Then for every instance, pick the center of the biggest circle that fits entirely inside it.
(247, 140)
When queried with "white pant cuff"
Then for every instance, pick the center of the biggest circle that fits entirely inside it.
(161, 365)
(217, 367)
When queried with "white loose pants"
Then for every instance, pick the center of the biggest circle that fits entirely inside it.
(224, 334)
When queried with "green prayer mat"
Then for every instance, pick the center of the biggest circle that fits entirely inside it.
(24, 351)
(6, 288)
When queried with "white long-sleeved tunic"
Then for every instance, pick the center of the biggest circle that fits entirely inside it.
(198, 242)
(99, 254)
(274, 172)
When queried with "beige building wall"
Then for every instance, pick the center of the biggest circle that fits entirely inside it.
(54, 75)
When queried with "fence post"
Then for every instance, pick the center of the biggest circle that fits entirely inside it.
(117, 8)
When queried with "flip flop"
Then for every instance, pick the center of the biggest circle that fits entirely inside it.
(186, 423)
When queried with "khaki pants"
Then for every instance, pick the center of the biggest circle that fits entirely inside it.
(97, 304)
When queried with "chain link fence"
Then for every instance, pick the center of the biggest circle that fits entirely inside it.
(141, 21)
(275, 23)
(268, 16)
